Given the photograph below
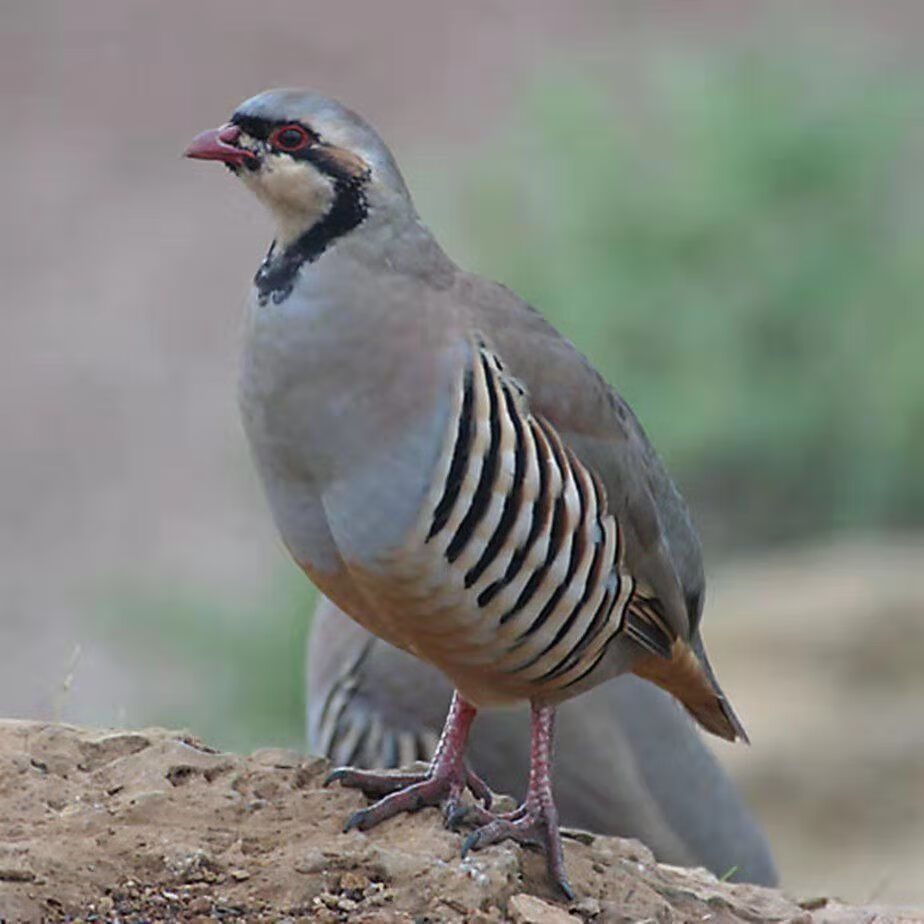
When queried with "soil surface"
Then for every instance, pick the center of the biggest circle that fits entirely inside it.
(155, 826)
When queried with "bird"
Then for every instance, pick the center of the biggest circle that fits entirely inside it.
(373, 706)
(448, 469)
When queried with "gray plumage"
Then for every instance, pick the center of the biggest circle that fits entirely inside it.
(355, 380)
(447, 468)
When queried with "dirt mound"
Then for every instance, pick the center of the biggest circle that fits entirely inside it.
(154, 826)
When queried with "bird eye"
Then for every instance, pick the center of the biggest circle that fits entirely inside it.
(289, 138)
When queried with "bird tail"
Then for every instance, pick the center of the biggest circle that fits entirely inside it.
(688, 676)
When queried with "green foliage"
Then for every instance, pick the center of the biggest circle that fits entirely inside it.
(739, 253)
(231, 672)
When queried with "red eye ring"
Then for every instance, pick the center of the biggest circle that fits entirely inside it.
(289, 138)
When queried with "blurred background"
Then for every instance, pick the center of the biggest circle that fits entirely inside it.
(721, 203)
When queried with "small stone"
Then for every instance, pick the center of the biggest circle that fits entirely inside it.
(353, 883)
(191, 865)
(200, 905)
(240, 875)
(528, 909)
(395, 864)
(325, 916)
(309, 771)
(504, 803)
(483, 917)
(579, 835)
(387, 917)
(587, 907)
(266, 789)
(311, 861)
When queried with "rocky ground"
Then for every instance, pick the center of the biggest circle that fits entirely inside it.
(155, 826)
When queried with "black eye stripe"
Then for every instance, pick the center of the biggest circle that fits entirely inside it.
(256, 128)
(261, 128)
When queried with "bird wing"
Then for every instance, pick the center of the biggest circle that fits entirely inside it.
(662, 548)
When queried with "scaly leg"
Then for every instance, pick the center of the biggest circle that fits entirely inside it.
(535, 822)
(442, 784)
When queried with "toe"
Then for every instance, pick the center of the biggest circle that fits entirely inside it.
(566, 889)
(479, 788)
(373, 782)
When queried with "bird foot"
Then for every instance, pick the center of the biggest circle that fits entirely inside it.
(532, 825)
(409, 792)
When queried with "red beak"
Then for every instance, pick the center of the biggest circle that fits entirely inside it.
(219, 144)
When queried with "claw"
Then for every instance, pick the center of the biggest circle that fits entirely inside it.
(338, 773)
(355, 821)
(470, 843)
(456, 816)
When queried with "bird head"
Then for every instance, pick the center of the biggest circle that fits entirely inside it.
(309, 160)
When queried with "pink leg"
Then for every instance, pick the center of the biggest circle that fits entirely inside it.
(535, 822)
(442, 784)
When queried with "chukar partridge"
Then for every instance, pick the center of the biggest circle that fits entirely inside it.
(447, 468)
(631, 753)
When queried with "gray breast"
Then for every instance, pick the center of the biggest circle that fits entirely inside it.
(340, 425)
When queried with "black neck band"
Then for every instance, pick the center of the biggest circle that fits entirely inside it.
(277, 272)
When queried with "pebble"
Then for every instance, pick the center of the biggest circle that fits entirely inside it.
(528, 909)
(200, 905)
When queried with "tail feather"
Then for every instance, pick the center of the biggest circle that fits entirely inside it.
(688, 676)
